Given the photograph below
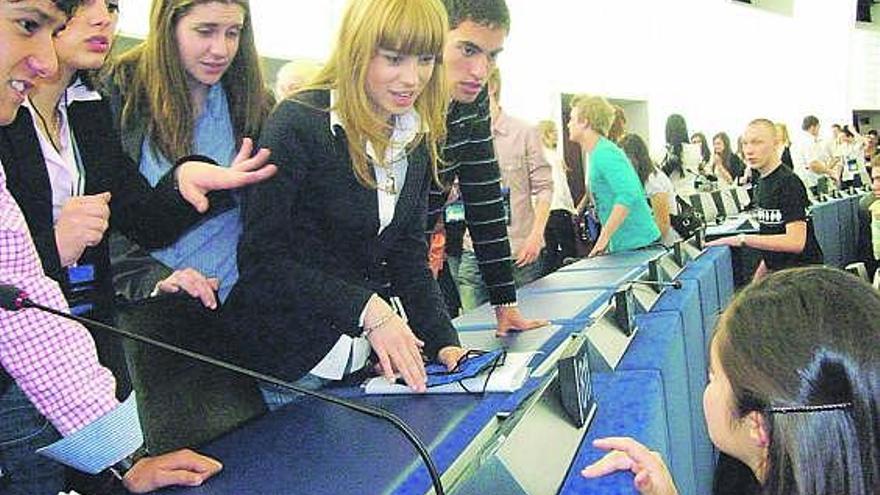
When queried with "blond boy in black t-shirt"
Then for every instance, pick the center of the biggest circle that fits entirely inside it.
(786, 237)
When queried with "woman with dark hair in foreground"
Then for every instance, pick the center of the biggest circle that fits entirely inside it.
(792, 389)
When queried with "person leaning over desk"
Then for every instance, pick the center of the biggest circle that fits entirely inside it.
(333, 246)
(52, 361)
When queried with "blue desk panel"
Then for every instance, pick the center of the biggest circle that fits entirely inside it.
(639, 257)
(318, 448)
(857, 233)
(582, 279)
(827, 231)
(847, 231)
(710, 307)
(722, 257)
(630, 404)
(572, 308)
(685, 303)
(659, 345)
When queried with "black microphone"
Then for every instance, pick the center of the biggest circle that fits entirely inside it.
(675, 284)
(13, 299)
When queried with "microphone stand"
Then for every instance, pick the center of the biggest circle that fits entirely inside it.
(23, 302)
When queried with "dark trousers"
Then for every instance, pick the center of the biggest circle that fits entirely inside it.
(559, 239)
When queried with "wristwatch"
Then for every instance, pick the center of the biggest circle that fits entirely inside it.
(122, 467)
(741, 239)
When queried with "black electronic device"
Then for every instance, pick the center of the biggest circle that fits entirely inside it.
(575, 382)
(625, 309)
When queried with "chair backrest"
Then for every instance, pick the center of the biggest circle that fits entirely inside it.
(858, 269)
(182, 402)
(742, 196)
(705, 206)
(729, 203)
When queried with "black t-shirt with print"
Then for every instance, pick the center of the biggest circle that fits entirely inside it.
(782, 199)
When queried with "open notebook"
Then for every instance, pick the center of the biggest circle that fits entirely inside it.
(506, 378)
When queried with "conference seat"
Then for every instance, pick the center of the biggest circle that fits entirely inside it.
(181, 402)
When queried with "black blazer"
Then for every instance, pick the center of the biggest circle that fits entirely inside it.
(153, 218)
(309, 257)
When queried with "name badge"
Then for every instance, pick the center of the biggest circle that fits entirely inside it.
(505, 196)
(81, 296)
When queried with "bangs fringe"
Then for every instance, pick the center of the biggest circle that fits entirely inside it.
(413, 28)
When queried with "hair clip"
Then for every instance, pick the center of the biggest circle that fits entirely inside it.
(809, 409)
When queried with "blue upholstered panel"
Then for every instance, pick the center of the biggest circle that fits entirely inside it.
(685, 303)
(703, 271)
(828, 232)
(723, 259)
(307, 446)
(630, 404)
(659, 345)
(847, 231)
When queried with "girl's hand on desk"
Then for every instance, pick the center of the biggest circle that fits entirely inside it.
(652, 475)
(397, 347)
(450, 356)
(180, 468)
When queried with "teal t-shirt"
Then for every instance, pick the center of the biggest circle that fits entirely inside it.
(613, 180)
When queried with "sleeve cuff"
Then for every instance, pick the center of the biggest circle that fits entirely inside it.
(502, 295)
(102, 443)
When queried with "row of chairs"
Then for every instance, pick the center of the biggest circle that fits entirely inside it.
(720, 204)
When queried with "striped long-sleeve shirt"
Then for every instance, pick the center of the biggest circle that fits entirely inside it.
(469, 155)
(54, 360)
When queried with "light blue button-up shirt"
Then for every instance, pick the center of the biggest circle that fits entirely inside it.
(211, 246)
(102, 443)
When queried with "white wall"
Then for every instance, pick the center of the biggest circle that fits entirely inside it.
(717, 62)
(732, 64)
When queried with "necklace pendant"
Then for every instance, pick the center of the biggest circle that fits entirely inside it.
(390, 185)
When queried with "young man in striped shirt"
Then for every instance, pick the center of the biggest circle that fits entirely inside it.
(50, 371)
(478, 29)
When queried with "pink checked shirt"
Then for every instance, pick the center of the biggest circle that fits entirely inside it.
(51, 359)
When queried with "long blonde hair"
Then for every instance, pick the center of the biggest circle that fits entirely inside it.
(154, 82)
(410, 27)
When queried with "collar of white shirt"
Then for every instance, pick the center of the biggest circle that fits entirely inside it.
(406, 126)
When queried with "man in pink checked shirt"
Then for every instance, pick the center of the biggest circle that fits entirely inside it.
(49, 363)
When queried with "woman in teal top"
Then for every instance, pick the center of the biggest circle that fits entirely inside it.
(627, 222)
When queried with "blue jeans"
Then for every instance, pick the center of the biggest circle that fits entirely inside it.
(22, 431)
(473, 290)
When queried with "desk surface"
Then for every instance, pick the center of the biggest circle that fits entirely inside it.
(583, 279)
(315, 448)
(563, 308)
(318, 448)
(638, 257)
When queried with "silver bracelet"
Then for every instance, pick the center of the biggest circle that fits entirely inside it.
(369, 329)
